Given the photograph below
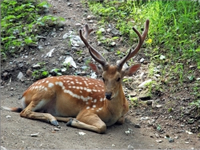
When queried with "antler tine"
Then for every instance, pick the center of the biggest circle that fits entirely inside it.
(87, 31)
(140, 42)
(94, 53)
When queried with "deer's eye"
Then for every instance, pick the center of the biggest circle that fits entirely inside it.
(103, 79)
(118, 79)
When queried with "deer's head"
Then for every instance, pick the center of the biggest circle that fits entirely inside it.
(112, 75)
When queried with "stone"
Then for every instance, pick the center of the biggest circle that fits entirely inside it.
(145, 83)
(145, 97)
(20, 76)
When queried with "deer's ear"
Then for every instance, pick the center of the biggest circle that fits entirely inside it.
(95, 68)
(131, 70)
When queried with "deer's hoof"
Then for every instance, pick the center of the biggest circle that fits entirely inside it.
(54, 122)
(69, 123)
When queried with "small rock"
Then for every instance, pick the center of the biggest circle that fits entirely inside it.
(188, 132)
(190, 121)
(112, 44)
(29, 72)
(113, 145)
(3, 148)
(69, 4)
(108, 30)
(89, 17)
(80, 59)
(93, 75)
(192, 66)
(78, 24)
(63, 69)
(8, 116)
(130, 147)
(137, 126)
(187, 142)
(159, 141)
(35, 134)
(145, 83)
(90, 21)
(69, 61)
(20, 65)
(115, 32)
(149, 102)
(56, 129)
(144, 118)
(81, 133)
(158, 106)
(49, 54)
(132, 94)
(20, 76)
(141, 60)
(170, 140)
(5, 76)
(162, 57)
(36, 66)
(74, 48)
(102, 30)
(129, 131)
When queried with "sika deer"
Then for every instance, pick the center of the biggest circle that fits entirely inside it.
(82, 102)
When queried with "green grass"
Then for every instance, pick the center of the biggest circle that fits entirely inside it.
(173, 41)
(21, 23)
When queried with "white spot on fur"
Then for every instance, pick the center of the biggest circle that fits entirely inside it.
(94, 106)
(89, 90)
(88, 107)
(50, 85)
(78, 96)
(95, 100)
(86, 84)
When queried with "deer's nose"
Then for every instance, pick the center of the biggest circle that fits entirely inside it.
(108, 95)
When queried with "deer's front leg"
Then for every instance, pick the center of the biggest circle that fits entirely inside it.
(88, 121)
(121, 120)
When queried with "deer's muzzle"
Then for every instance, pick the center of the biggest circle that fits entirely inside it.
(108, 95)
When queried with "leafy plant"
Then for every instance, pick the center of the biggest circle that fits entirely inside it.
(21, 23)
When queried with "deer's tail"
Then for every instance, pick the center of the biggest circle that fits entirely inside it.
(13, 109)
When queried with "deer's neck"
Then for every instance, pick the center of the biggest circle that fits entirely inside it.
(116, 104)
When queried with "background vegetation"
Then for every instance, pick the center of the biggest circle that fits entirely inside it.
(173, 42)
(21, 24)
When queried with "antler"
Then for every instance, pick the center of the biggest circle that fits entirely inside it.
(93, 52)
(137, 48)
(100, 59)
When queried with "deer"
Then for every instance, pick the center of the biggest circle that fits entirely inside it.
(82, 102)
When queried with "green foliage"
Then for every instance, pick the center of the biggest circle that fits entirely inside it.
(173, 38)
(21, 23)
(40, 73)
(174, 25)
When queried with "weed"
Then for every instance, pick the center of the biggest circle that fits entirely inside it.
(134, 101)
(21, 23)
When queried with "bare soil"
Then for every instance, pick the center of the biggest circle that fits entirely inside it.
(146, 127)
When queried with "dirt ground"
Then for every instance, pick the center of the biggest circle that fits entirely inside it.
(138, 132)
